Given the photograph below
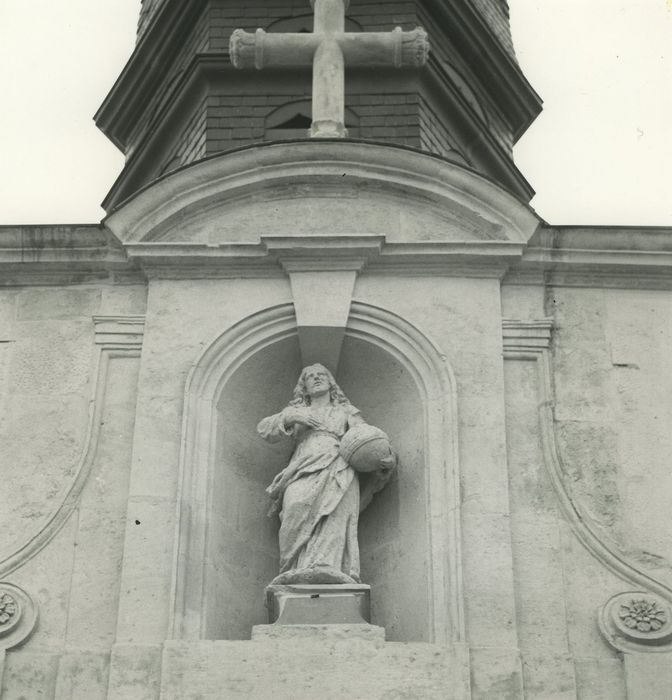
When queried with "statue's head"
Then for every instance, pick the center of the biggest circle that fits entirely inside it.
(313, 381)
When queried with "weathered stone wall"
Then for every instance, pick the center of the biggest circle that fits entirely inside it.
(67, 415)
(610, 385)
(611, 376)
(613, 381)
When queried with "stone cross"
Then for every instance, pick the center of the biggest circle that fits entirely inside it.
(329, 48)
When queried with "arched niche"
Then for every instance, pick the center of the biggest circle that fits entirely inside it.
(409, 536)
(241, 546)
(392, 530)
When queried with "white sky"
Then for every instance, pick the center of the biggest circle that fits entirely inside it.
(596, 155)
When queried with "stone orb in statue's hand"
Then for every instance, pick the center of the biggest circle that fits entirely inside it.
(367, 449)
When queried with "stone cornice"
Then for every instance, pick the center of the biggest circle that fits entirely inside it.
(272, 255)
(587, 256)
(597, 256)
(23, 243)
(60, 254)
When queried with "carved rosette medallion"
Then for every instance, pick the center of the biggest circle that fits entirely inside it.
(637, 621)
(10, 612)
(642, 615)
(18, 615)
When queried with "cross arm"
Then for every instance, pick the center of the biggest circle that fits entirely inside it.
(395, 49)
(261, 50)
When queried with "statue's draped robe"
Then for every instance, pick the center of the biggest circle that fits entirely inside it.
(317, 494)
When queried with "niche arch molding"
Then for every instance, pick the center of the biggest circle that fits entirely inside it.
(435, 382)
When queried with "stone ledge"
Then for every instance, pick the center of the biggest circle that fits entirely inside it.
(325, 634)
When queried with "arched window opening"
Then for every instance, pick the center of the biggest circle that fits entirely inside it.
(293, 120)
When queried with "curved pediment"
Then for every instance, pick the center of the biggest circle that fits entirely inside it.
(322, 188)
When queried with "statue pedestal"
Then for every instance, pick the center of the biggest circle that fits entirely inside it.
(319, 604)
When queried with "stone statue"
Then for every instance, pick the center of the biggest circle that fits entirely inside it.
(318, 494)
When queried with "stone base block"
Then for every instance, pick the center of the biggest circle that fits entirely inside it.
(135, 672)
(323, 666)
(319, 604)
(82, 674)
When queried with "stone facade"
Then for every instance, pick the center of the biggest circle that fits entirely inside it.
(522, 547)
(526, 385)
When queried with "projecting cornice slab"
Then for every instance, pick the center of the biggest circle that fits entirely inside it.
(60, 254)
(597, 256)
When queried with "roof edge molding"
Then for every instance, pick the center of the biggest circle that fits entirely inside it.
(147, 66)
(496, 69)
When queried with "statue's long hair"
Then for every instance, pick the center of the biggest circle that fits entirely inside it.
(300, 396)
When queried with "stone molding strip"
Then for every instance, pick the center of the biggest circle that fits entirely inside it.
(115, 336)
(530, 340)
(119, 332)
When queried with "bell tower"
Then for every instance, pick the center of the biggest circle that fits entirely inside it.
(181, 99)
